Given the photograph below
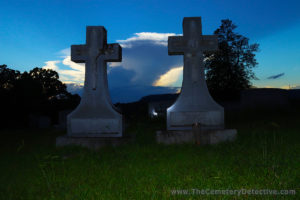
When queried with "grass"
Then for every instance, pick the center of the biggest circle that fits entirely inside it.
(266, 155)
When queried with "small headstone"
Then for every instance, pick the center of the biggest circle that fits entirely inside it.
(62, 119)
(194, 104)
(39, 121)
(159, 108)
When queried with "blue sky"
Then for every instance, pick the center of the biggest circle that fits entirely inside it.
(39, 34)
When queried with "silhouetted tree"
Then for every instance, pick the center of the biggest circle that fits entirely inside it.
(229, 70)
(38, 91)
(8, 77)
(49, 81)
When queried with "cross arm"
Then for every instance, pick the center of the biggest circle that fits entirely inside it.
(78, 53)
(113, 53)
(176, 45)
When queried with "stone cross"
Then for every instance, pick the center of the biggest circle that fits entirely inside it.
(96, 46)
(192, 45)
(194, 104)
(95, 116)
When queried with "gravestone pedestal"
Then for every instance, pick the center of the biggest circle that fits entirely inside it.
(194, 104)
(196, 136)
(92, 142)
(95, 122)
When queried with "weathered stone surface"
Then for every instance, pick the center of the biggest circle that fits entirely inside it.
(92, 143)
(194, 104)
(202, 137)
(95, 116)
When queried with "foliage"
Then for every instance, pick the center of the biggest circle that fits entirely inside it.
(49, 81)
(38, 91)
(8, 77)
(229, 70)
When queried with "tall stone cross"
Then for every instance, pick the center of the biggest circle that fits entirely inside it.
(95, 116)
(96, 47)
(192, 45)
(194, 104)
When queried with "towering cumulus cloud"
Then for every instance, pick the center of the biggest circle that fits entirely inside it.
(145, 69)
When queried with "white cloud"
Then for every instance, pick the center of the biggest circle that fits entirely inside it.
(75, 73)
(156, 38)
(51, 65)
(170, 77)
(114, 64)
(74, 66)
(70, 72)
(65, 52)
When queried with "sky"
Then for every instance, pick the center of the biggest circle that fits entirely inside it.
(39, 33)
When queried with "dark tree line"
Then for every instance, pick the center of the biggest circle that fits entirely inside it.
(37, 92)
(229, 70)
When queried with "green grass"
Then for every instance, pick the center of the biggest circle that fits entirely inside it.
(266, 155)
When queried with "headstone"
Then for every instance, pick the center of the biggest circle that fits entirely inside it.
(194, 104)
(159, 108)
(39, 121)
(95, 116)
(95, 122)
(62, 119)
(158, 103)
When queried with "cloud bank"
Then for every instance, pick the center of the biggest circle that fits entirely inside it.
(146, 68)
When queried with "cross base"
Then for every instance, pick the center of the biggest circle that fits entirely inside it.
(95, 127)
(91, 143)
(184, 120)
(196, 136)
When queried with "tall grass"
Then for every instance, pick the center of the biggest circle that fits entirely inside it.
(265, 155)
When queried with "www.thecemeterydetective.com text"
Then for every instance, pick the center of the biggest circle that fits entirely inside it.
(237, 192)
